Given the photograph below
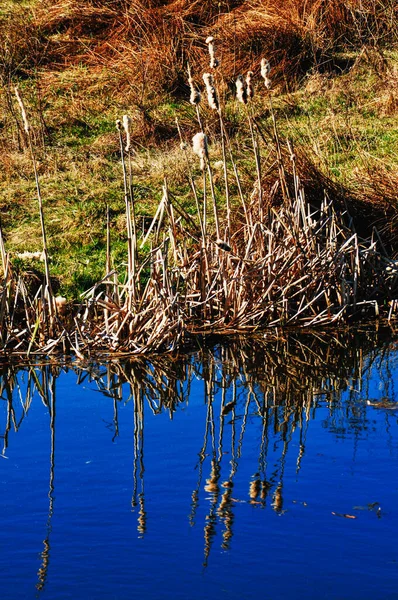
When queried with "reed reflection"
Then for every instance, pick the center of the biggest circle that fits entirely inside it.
(46, 390)
(278, 387)
(19, 387)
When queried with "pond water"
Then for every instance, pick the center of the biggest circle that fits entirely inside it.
(253, 470)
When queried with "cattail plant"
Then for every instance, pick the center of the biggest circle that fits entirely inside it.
(127, 129)
(212, 99)
(265, 71)
(301, 266)
(184, 148)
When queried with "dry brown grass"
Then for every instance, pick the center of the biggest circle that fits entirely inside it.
(148, 44)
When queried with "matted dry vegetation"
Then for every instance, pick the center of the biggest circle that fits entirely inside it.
(151, 41)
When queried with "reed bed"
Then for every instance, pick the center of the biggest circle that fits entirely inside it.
(255, 257)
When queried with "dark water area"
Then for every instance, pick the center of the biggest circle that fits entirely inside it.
(253, 470)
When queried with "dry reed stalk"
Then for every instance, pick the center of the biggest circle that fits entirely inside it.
(127, 125)
(184, 146)
(131, 274)
(4, 258)
(108, 267)
(48, 295)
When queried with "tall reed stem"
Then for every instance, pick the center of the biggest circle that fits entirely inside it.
(51, 304)
(129, 228)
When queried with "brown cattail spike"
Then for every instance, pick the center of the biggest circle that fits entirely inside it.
(127, 129)
(265, 71)
(213, 60)
(241, 92)
(249, 85)
(211, 91)
(195, 96)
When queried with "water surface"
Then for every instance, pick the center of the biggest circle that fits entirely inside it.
(252, 470)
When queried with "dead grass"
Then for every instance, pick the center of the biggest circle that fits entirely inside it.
(148, 44)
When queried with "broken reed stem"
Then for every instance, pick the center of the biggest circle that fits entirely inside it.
(49, 293)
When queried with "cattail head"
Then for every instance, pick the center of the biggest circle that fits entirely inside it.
(127, 129)
(208, 79)
(249, 85)
(23, 111)
(211, 91)
(195, 96)
(213, 60)
(241, 92)
(199, 146)
(265, 71)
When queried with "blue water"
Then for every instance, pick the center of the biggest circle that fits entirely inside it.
(290, 492)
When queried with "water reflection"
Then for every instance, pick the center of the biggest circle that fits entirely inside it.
(46, 389)
(280, 385)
